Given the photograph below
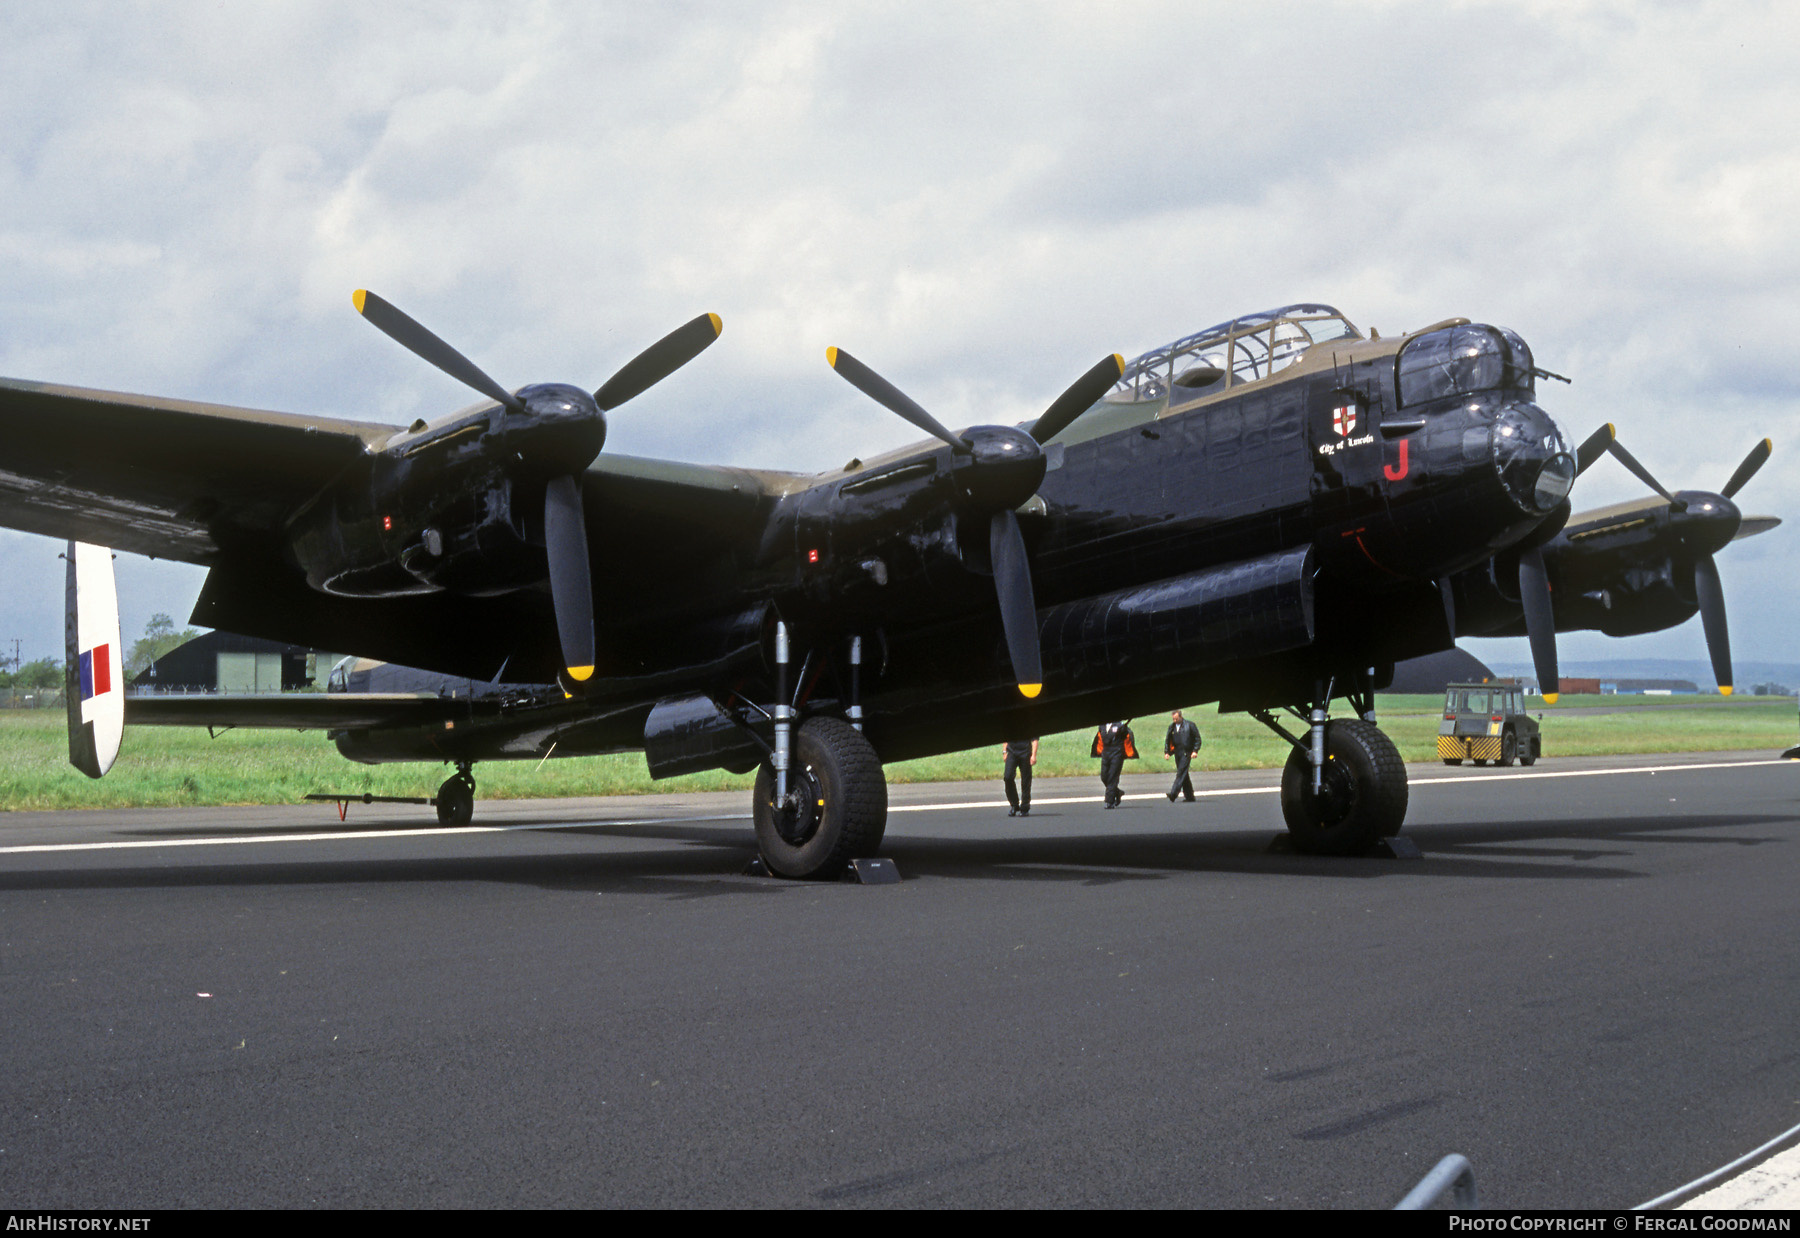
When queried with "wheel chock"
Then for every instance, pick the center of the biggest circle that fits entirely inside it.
(1395, 848)
(857, 872)
(872, 873)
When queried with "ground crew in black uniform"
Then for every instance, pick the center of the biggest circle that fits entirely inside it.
(1021, 755)
(1113, 743)
(1183, 744)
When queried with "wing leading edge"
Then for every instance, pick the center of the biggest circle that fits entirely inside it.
(176, 479)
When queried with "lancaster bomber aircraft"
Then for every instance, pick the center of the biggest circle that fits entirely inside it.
(1267, 514)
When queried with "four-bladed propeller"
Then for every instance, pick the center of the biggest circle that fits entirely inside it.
(1706, 522)
(1003, 468)
(575, 429)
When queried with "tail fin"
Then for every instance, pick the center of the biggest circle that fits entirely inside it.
(96, 669)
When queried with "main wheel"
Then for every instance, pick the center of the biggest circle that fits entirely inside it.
(1363, 797)
(839, 812)
(456, 800)
(1509, 749)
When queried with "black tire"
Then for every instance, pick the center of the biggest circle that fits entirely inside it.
(1481, 761)
(1365, 792)
(843, 808)
(1528, 757)
(1509, 748)
(455, 801)
(1452, 760)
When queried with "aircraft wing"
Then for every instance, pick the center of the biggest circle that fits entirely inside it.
(172, 478)
(303, 711)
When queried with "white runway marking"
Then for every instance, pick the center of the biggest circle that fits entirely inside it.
(428, 832)
(347, 835)
(1773, 1184)
(1411, 782)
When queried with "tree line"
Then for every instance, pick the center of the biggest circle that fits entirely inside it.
(160, 637)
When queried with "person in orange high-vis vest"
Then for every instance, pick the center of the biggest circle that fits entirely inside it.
(1114, 744)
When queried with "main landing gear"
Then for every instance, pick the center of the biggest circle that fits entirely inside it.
(1344, 787)
(821, 798)
(456, 798)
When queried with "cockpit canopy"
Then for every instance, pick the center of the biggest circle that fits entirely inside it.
(1232, 353)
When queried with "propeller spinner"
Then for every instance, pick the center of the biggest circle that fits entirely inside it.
(1003, 470)
(575, 428)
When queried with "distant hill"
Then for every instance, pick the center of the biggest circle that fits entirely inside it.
(1696, 669)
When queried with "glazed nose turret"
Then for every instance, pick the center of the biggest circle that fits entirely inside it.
(1532, 457)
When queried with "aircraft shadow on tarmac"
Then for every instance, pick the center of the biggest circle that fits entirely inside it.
(1450, 851)
(1492, 838)
(707, 861)
(401, 825)
(693, 869)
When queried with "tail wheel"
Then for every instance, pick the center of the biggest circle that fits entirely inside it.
(840, 805)
(1362, 798)
(456, 800)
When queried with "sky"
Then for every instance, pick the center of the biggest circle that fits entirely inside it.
(978, 200)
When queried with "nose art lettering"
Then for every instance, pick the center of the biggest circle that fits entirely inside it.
(1395, 472)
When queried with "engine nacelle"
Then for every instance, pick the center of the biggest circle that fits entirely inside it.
(458, 506)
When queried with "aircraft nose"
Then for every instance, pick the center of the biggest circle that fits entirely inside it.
(1533, 458)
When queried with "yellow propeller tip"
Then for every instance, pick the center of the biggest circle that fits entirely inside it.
(1724, 689)
(1030, 690)
(1119, 360)
(718, 324)
(358, 297)
(581, 673)
(831, 357)
(1550, 697)
(1612, 429)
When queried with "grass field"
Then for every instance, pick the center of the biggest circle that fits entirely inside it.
(169, 766)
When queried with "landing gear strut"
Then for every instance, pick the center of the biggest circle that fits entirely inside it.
(456, 798)
(1344, 787)
(820, 799)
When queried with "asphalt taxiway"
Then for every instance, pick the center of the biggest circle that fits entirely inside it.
(1588, 985)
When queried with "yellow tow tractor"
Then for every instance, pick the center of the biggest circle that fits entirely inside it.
(1487, 722)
